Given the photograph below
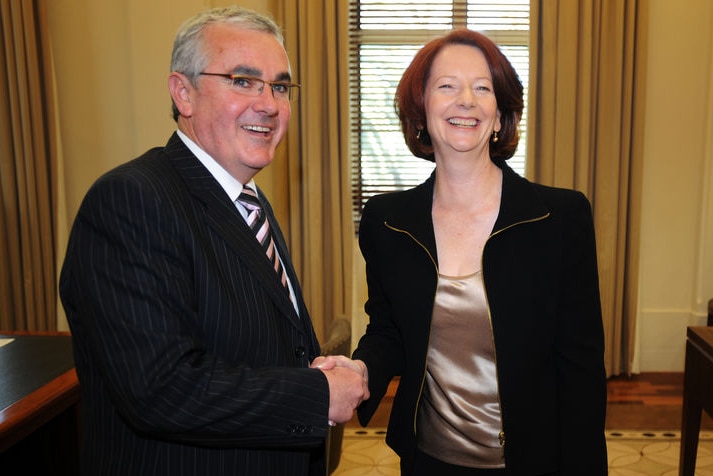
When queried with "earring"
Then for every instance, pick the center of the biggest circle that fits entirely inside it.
(418, 134)
(495, 136)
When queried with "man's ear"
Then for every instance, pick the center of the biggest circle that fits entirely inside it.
(180, 88)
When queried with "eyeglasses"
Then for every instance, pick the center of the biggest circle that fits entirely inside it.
(252, 86)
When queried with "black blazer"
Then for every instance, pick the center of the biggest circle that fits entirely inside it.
(541, 282)
(190, 356)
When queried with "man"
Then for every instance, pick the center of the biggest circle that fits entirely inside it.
(191, 345)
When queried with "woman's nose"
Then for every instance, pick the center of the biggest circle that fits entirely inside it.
(466, 98)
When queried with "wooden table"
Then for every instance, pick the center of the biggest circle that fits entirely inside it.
(39, 404)
(697, 393)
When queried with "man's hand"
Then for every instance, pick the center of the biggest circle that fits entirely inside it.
(348, 385)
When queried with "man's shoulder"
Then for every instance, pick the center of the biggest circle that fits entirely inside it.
(155, 172)
(155, 163)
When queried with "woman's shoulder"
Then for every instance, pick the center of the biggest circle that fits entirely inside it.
(523, 195)
(560, 198)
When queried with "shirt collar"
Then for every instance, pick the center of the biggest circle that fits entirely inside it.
(231, 186)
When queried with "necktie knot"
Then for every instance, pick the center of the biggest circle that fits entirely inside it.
(249, 200)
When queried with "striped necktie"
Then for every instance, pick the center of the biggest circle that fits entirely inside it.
(261, 228)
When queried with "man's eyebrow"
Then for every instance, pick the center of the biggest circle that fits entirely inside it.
(247, 71)
(252, 71)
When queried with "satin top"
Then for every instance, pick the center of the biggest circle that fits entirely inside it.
(459, 418)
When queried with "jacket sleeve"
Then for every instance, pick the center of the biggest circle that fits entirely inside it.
(579, 349)
(381, 346)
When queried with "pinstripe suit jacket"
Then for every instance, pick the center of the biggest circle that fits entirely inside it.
(190, 355)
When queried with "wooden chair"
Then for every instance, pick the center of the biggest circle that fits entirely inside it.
(339, 342)
(697, 392)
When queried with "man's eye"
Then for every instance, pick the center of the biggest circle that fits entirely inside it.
(280, 88)
(243, 82)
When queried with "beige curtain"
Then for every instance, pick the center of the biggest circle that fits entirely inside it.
(315, 171)
(585, 131)
(27, 169)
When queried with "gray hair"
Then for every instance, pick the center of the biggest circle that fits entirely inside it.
(188, 56)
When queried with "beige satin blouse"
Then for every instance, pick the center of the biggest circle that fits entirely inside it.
(459, 418)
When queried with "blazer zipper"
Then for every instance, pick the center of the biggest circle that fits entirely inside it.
(501, 433)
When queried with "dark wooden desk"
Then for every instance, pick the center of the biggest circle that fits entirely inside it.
(697, 393)
(39, 404)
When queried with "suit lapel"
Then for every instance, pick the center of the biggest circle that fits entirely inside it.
(224, 218)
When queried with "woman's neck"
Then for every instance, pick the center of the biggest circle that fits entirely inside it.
(467, 186)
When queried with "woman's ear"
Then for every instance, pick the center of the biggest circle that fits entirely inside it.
(180, 88)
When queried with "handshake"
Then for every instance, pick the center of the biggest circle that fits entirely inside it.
(348, 385)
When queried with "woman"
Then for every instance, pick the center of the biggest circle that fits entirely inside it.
(483, 287)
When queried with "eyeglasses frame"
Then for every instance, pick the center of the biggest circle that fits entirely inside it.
(290, 85)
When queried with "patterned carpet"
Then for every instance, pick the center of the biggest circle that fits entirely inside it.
(631, 453)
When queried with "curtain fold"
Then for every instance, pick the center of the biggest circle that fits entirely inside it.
(316, 174)
(27, 169)
(585, 131)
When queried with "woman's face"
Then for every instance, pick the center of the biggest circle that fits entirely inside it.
(461, 110)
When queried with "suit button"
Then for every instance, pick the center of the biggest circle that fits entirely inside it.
(300, 352)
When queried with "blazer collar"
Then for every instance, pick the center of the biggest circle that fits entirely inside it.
(519, 203)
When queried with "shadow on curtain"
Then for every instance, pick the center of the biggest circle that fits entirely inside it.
(585, 131)
(316, 170)
(27, 169)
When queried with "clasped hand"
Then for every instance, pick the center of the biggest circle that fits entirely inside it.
(348, 385)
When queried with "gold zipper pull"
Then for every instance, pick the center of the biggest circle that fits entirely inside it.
(501, 438)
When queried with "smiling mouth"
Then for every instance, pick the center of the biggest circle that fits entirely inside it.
(463, 122)
(259, 129)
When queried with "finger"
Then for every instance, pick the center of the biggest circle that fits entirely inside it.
(321, 362)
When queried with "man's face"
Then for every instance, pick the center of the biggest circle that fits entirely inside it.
(240, 131)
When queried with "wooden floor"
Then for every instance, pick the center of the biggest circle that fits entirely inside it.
(648, 401)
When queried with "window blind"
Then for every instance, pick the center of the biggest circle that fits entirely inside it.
(383, 38)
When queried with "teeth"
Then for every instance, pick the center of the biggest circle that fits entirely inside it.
(257, 128)
(463, 122)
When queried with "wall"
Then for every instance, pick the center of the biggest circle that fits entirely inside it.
(676, 272)
(112, 62)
